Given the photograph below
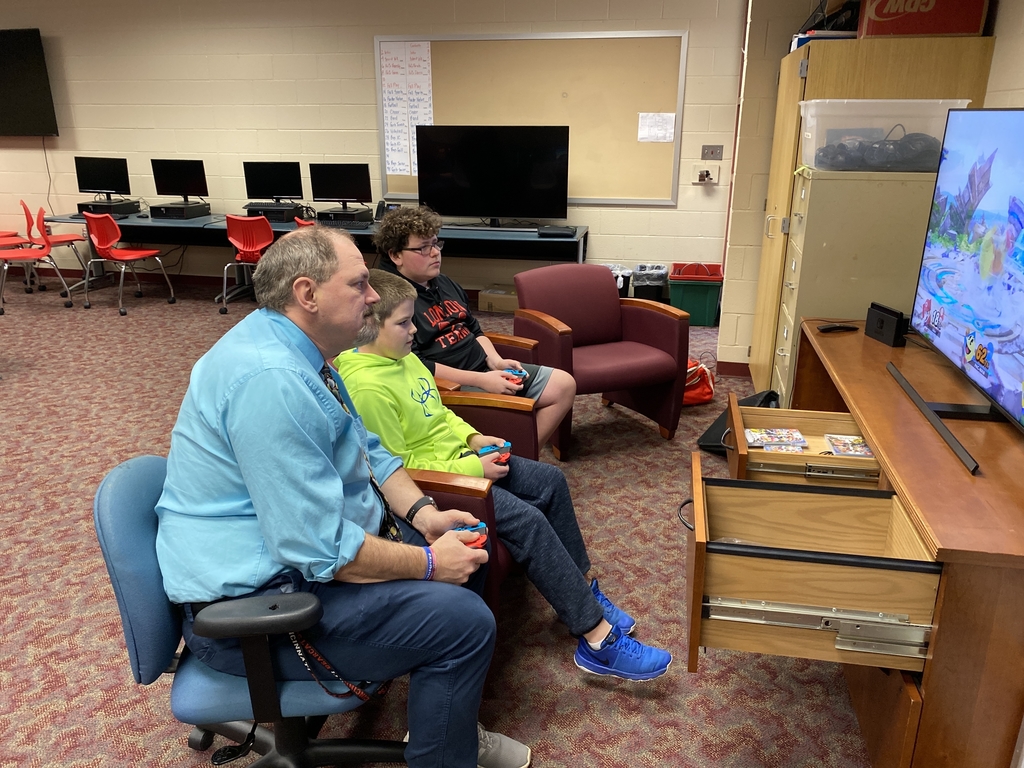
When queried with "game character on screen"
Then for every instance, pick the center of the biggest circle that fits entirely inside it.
(532, 507)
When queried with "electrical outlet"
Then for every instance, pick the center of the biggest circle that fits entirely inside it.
(711, 152)
(706, 173)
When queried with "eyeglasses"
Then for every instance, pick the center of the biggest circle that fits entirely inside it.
(425, 250)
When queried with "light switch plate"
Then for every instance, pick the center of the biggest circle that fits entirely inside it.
(711, 152)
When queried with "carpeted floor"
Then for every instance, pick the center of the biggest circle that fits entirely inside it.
(82, 390)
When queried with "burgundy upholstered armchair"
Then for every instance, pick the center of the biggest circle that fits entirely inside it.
(632, 351)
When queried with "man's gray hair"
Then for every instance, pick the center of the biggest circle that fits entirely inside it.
(307, 252)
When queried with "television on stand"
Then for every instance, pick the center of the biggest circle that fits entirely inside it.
(180, 178)
(494, 171)
(107, 176)
(969, 302)
(275, 181)
(341, 183)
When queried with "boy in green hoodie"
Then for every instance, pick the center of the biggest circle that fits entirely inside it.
(397, 399)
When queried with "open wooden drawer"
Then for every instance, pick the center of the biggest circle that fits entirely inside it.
(813, 466)
(837, 574)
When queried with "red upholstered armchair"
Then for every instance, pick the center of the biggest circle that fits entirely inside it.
(632, 351)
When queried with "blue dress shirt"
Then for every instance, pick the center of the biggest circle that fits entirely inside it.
(266, 469)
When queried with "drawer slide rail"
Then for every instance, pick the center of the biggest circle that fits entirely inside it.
(815, 471)
(865, 631)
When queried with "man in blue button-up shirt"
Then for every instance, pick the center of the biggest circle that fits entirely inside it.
(269, 488)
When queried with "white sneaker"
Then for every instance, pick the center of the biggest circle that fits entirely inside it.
(499, 751)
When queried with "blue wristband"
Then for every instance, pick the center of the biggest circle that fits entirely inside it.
(429, 576)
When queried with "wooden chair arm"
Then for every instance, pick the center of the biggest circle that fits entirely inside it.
(656, 306)
(446, 385)
(431, 481)
(512, 341)
(552, 324)
(488, 400)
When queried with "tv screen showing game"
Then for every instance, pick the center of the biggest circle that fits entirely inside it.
(970, 293)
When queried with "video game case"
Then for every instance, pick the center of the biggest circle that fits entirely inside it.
(762, 437)
(849, 445)
(784, 448)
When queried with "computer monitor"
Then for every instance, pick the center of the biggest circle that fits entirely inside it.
(494, 171)
(108, 175)
(180, 177)
(274, 180)
(340, 183)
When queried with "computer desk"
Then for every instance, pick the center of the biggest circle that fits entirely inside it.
(968, 711)
(465, 242)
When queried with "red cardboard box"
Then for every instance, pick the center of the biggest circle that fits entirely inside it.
(881, 18)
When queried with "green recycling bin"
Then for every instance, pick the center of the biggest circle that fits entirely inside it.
(696, 288)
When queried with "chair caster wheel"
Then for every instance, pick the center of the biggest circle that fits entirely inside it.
(223, 310)
(200, 740)
(1, 310)
(41, 287)
(138, 294)
(69, 304)
(122, 311)
(172, 300)
(63, 294)
(28, 289)
(87, 304)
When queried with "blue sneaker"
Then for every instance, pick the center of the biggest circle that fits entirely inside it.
(622, 656)
(612, 613)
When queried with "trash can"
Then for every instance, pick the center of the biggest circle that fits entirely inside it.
(649, 281)
(696, 288)
(622, 275)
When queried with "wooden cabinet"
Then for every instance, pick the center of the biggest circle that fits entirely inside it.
(854, 238)
(873, 68)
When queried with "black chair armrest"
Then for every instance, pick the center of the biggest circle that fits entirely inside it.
(259, 615)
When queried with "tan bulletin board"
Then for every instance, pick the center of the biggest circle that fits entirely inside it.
(597, 84)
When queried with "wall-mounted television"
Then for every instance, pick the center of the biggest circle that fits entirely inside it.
(272, 180)
(103, 174)
(26, 104)
(494, 171)
(970, 294)
(180, 178)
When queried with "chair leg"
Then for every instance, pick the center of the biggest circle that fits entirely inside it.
(224, 293)
(120, 293)
(88, 272)
(28, 276)
(138, 283)
(3, 281)
(66, 292)
(170, 287)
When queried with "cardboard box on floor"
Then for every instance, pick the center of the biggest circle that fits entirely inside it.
(498, 298)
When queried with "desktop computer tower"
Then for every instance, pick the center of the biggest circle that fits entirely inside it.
(109, 206)
(179, 210)
(338, 214)
(272, 212)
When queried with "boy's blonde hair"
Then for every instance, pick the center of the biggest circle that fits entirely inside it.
(393, 290)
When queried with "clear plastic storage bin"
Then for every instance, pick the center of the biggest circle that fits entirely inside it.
(875, 134)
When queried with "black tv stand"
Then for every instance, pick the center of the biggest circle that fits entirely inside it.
(935, 412)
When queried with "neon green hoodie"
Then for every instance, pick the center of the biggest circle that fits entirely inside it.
(398, 400)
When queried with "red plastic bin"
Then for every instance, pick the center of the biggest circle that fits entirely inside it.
(698, 272)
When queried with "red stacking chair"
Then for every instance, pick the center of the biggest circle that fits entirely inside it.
(28, 257)
(56, 241)
(8, 233)
(251, 235)
(105, 234)
(303, 222)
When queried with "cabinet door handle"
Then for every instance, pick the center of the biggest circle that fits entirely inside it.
(768, 226)
(782, 352)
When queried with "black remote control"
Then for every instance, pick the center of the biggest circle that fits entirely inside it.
(837, 327)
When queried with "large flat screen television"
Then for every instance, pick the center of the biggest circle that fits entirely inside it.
(494, 171)
(272, 180)
(180, 178)
(970, 294)
(26, 104)
(103, 174)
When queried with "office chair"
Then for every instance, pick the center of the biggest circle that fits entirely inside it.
(28, 257)
(105, 234)
(56, 241)
(633, 351)
(251, 235)
(215, 702)
(304, 222)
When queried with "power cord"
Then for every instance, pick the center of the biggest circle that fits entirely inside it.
(683, 520)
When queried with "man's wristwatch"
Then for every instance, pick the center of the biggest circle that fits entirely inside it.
(424, 501)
